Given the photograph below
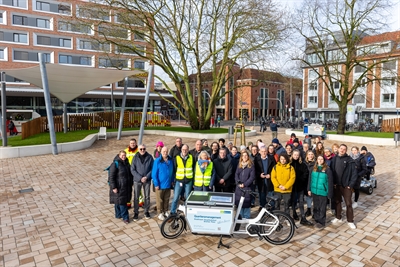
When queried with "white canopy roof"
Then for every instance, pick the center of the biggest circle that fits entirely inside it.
(69, 82)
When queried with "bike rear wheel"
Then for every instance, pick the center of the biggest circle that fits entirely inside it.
(285, 230)
(172, 227)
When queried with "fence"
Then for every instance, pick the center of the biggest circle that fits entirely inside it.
(90, 121)
(391, 125)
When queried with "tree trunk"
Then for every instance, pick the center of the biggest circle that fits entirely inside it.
(342, 117)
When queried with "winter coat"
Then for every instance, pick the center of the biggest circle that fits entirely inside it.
(223, 170)
(246, 176)
(175, 151)
(264, 184)
(283, 174)
(301, 170)
(279, 150)
(234, 161)
(140, 169)
(320, 182)
(310, 166)
(361, 167)
(348, 175)
(369, 160)
(163, 173)
(120, 178)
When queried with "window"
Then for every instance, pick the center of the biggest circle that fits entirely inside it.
(388, 98)
(43, 23)
(132, 83)
(74, 27)
(389, 81)
(64, 9)
(312, 99)
(389, 65)
(331, 98)
(20, 20)
(129, 19)
(360, 68)
(20, 38)
(43, 6)
(336, 85)
(363, 83)
(113, 32)
(139, 36)
(139, 65)
(93, 13)
(65, 59)
(113, 63)
(359, 99)
(2, 17)
(313, 86)
(86, 61)
(43, 40)
(2, 53)
(14, 3)
(85, 44)
(65, 42)
(30, 56)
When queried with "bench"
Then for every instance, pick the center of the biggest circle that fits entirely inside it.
(102, 133)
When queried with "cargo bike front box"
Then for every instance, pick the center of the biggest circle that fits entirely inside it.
(210, 212)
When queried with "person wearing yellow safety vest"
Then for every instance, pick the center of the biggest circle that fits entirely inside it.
(204, 175)
(183, 165)
(131, 150)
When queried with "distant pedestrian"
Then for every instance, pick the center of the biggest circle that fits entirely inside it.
(11, 127)
(274, 128)
(219, 121)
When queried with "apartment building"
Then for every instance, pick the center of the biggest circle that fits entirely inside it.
(29, 27)
(252, 93)
(377, 99)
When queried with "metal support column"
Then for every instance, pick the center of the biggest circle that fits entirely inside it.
(3, 109)
(121, 116)
(47, 101)
(65, 117)
(146, 102)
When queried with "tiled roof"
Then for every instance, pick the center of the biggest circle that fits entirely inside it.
(387, 36)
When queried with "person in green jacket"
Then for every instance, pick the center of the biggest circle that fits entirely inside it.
(320, 187)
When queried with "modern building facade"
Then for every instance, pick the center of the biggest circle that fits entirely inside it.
(377, 100)
(253, 93)
(30, 27)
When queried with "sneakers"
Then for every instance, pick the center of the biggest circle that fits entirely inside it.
(355, 205)
(161, 217)
(166, 214)
(126, 221)
(147, 215)
(135, 217)
(304, 221)
(352, 225)
(336, 220)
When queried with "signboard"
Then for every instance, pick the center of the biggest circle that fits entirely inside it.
(351, 113)
(211, 221)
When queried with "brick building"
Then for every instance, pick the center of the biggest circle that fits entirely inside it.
(29, 27)
(253, 93)
(378, 99)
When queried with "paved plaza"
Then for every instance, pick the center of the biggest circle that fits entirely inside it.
(67, 221)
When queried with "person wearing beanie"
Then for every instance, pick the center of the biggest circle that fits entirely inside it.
(292, 138)
(369, 161)
(363, 148)
(157, 151)
(279, 149)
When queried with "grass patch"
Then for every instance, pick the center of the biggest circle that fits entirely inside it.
(44, 138)
(366, 134)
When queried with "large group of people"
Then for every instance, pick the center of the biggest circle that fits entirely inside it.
(301, 175)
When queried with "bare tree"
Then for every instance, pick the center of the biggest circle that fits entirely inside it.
(193, 36)
(334, 31)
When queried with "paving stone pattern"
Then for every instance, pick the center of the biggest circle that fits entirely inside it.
(67, 221)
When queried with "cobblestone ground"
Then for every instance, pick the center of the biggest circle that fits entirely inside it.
(67, 221)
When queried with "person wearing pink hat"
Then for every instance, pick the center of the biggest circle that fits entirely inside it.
(157, 151)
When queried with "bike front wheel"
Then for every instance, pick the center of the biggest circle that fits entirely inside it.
(285, 230)
(172, 227)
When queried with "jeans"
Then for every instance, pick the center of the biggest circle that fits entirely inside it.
(137, 186)
(202, 188)
(300, 197)
(309, 201)
(245, 213)
(177, 191)
(271, 194)
(162, 200)
(121, 211)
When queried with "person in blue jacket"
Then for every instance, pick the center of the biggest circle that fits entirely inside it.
(163, 175)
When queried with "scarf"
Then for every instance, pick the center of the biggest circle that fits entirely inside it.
(356, 156)
(244, 164)
(203, 164)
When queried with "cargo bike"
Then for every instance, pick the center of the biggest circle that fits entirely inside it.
(213, 213)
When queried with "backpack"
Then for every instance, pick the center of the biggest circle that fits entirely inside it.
(108, 169)
(371, 161)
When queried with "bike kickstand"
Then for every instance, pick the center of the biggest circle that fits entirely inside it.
(222, 244)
